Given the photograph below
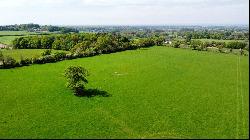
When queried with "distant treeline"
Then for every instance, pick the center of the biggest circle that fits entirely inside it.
(195, 32)
(204, 46)
(36, 27)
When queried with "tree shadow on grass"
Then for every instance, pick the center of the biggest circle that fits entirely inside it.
(93, 93)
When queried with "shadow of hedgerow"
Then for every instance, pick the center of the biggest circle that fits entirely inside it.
(92, 93)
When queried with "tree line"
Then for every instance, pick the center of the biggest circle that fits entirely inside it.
(79, 45)
(204, 45)
(36, 27)
(98, 42)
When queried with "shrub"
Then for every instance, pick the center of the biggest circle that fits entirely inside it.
(9, 62)
(236, 45)
(196, 44)
(176, 44)
(59, 56)
(69, 56)
(46, 52)
(76, 77)
(49, 59)
(25, 61)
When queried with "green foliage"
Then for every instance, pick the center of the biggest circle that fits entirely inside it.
(25, 61)
(78, 43)
(59, 55)
(236, 45)
(9, 62)
(176, 44)
(81, 47)
(195, 44)
(46, 52)
(77, 78)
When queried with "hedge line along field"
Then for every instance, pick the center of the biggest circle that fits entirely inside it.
(25, 53)
(216, 40)
(158, 92)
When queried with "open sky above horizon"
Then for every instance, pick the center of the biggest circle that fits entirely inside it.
(124, 12)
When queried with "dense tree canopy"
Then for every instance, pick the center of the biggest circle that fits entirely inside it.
(78, 43)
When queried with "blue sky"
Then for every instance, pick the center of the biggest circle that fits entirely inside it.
(124, 12)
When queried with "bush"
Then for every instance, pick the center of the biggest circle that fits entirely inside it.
(59, 56)
(9, 62)
(76, 77)
(46, 52)
(236, 45)
(25, 61)
(176, 44)
(196, 45)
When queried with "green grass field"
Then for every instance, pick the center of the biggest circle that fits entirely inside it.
(25, 53)
(7, 39)
(16, 33)
(158, 92)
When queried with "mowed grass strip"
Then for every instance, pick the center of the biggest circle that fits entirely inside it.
(155, 93)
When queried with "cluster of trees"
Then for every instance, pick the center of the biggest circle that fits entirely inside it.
(36, 27)
(203, 46)
(220, 35)
(21, 27)
(100, 43)
(80, 45)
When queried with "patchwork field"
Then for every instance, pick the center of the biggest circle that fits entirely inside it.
(158, 92)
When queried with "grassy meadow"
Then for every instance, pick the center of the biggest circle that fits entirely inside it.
(25, 53)
(6, 37)
(158, 92)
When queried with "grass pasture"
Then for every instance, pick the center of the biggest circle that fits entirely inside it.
(6, 37)
(13, 33)
(158, 92)
(25, 53)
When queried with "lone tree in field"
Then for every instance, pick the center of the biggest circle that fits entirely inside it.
(76, 77)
